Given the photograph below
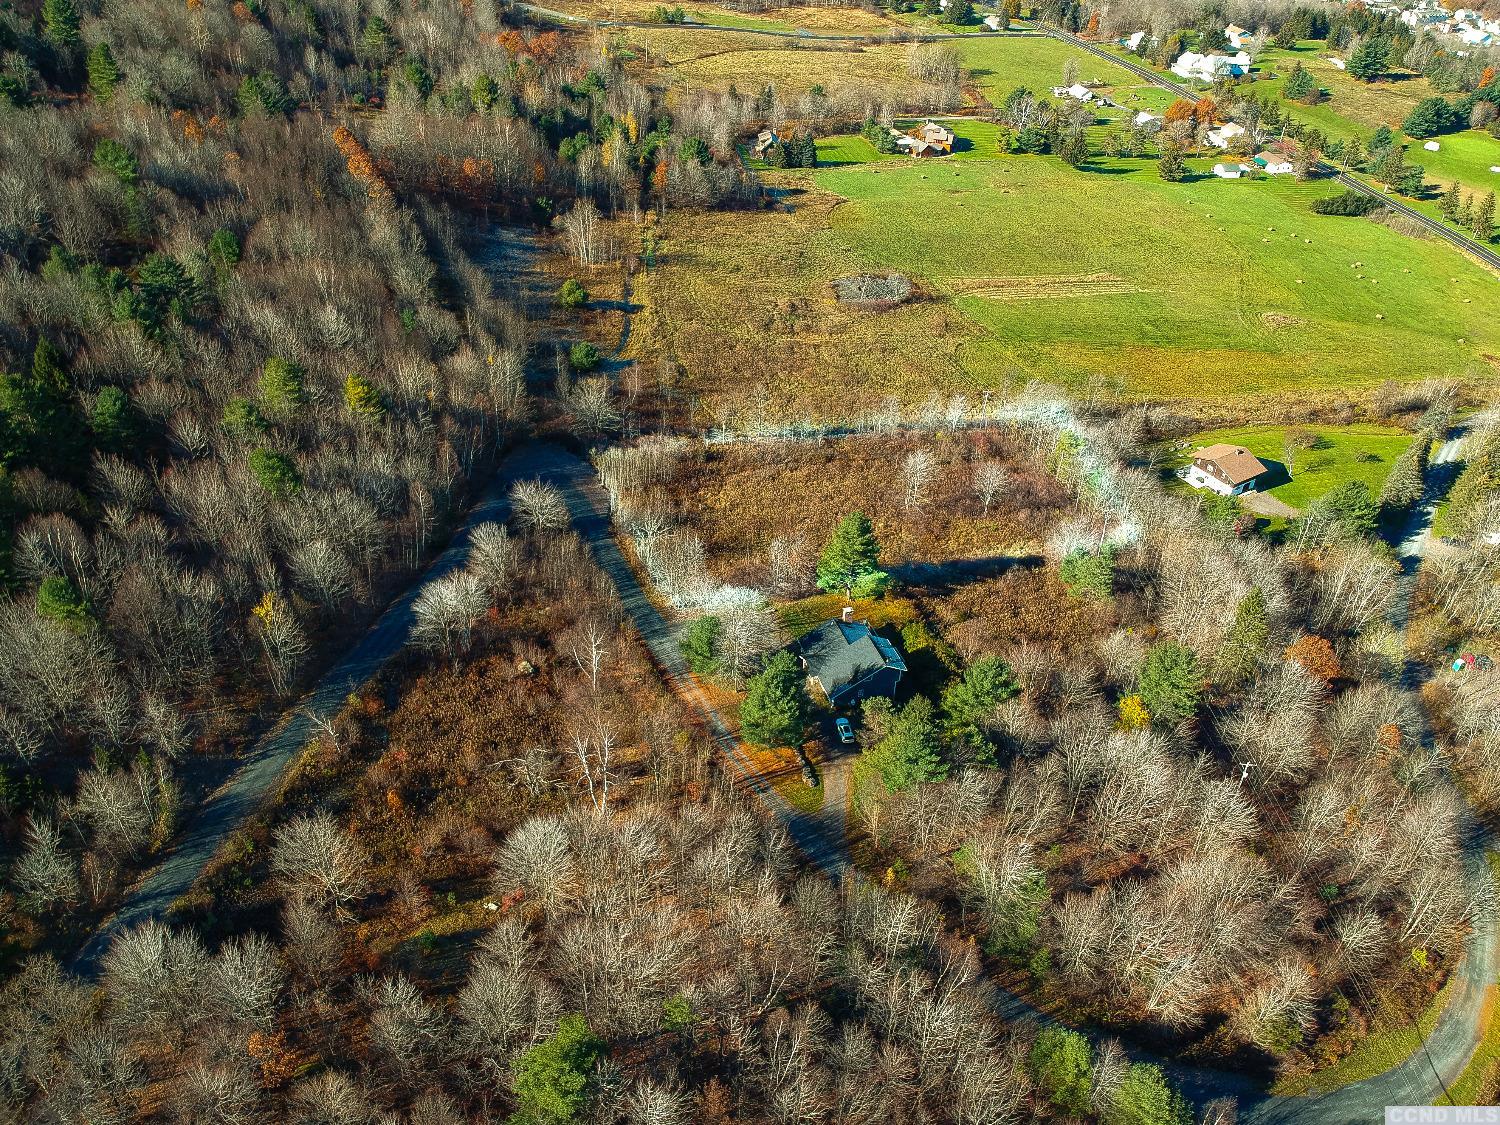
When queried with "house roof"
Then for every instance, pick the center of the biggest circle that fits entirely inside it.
(841, 653)
(1236, 462)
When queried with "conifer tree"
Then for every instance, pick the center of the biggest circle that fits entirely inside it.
(776, 707)
(104, 75)
(849, 560)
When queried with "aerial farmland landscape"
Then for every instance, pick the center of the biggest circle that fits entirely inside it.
(931, 562)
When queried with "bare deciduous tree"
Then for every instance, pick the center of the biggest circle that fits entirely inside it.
(539, 506)
(990, 480)
(446, 611)
(315, 857)
(45, 875)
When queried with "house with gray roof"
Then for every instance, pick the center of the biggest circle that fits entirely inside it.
(848, 661)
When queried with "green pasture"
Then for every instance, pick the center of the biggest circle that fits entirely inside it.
(1197, 290)
(1319, 458)
(997, 66)
(1463, 158)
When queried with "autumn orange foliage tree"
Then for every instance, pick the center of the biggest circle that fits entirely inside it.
(1180, 110)
(1316, 655)
(361, 166)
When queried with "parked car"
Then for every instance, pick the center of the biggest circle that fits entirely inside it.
(846, 731)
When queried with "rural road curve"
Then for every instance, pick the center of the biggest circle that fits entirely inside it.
(258, 775)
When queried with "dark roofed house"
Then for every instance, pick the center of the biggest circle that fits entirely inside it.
(849, 661)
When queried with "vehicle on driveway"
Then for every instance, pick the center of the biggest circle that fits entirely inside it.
(845, 731)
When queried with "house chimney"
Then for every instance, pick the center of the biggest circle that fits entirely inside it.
(848, 615)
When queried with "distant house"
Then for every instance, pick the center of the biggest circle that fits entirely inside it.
(1147, 120)
(927, 139)
(1133, 41)
(1238, 36)
(992, 22)
(764, 140)
(1274, 163)
(848, 661)
(1208, 68)
(1226, 469)
(1222, 136)
(1231, 171)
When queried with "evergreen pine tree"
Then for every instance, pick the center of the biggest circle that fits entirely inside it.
(1484, 218)
(849, 560)
(911, 751)
(60, 22)
(362, 399)
(1171, 166)
(809, 151)
(1466, 213)
(282, 386)
(104, 75)
(1244, 642)
(1448, 203)
(776, 707)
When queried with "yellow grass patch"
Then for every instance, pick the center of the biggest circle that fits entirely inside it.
(1040, 287)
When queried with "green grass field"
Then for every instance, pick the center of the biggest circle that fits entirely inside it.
(1341, 454)
(998, 66)
(1190, 290)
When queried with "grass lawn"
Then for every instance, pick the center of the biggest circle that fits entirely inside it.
(803, 616)
(1353, 107)
(1381, 1049)
(1463, 158)
(1341, 454)
(834, 151)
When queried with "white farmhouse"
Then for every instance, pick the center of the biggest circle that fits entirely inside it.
(1222, 136)
(1275, 163)
(1147, 121)
(1133, 41)
(1231, 171)
(1226, 469)
(1207, 68)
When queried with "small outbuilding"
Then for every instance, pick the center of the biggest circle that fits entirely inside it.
(765, 140)
(848, 661)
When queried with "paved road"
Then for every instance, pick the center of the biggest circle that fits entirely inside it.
(1353, 183)
(258, 776)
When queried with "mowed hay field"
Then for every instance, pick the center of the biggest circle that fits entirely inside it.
(1189, 291)
(1201, 292)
